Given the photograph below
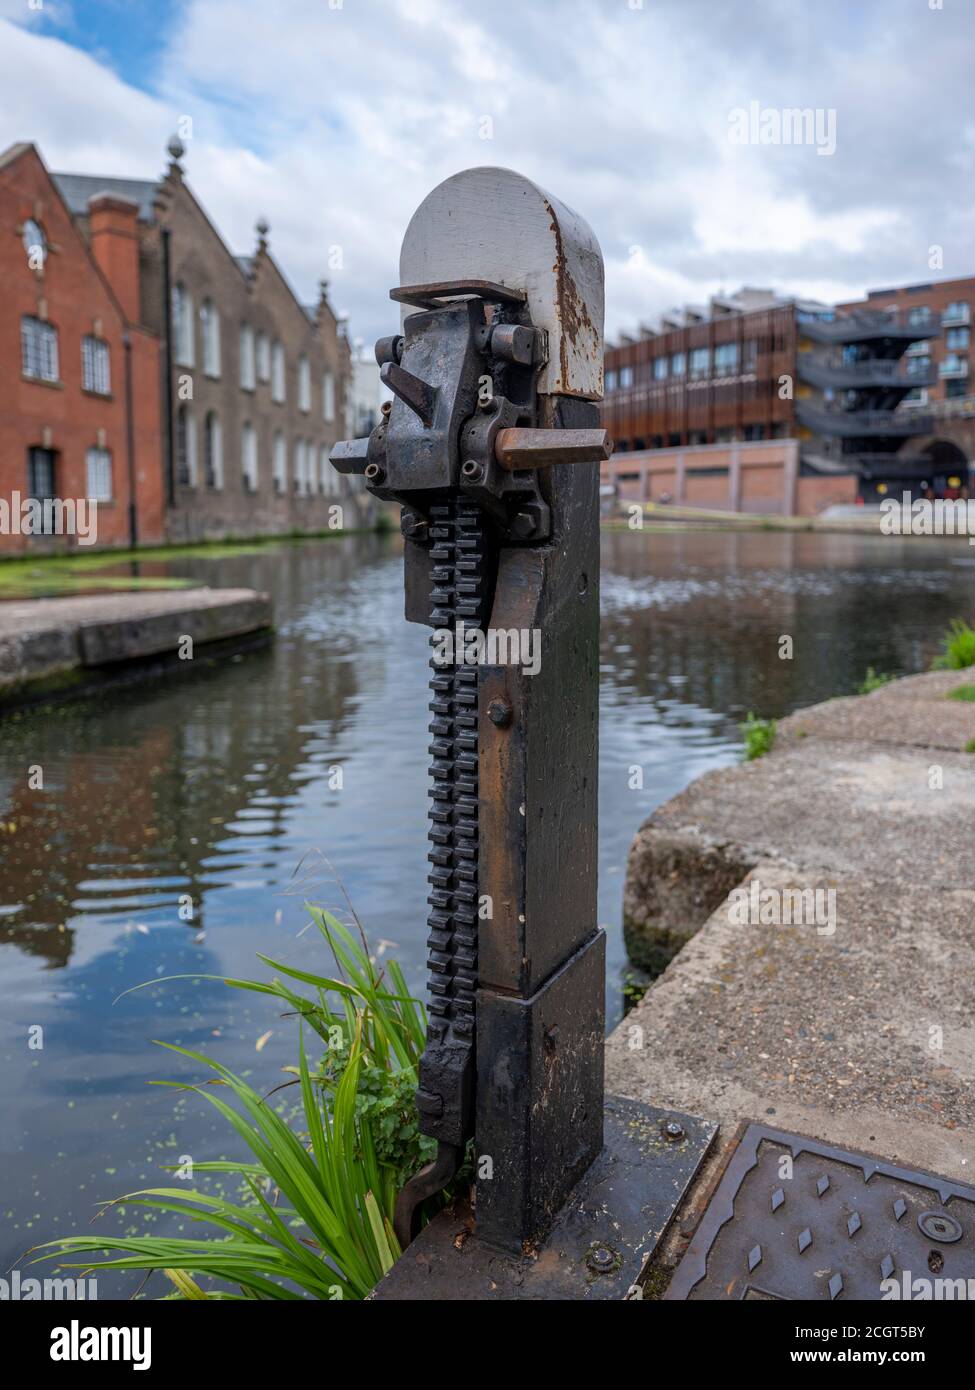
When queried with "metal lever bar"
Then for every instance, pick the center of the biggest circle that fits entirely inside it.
(517, 449)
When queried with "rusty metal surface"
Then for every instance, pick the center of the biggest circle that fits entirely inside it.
(432, 296)
(840, 1226)
(531, 448)
(602, 1240)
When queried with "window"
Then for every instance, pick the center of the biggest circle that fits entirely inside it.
(210, 332)
(725, 358)
(39, 349)
(660, 369)
(213, 451)
(328, 478)
(749, 354)
(40, 473)
(700, 361)
(304, 385)
(626, 376)
(99, 463)
(95, 375)
(183, 326)
(185, 447)
(956, 388)
(328, 397)
(959, 311)
(678, 364)
(300, 461)
(248, 379)
(957, 338)
(248, 457)
(40, 485)
(279, 464)
(918, 315)
(918, 366)
(277, 373)
(263, 358)
(610, 381)
(35, 244)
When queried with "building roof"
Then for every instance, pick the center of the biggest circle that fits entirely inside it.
(77, 189)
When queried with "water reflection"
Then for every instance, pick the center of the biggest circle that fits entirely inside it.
(181, 825)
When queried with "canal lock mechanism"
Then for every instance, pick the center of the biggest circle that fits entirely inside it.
(460, 449)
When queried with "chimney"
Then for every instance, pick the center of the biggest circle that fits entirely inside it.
(114, 237)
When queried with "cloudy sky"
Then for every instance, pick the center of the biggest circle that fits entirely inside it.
(334, 117)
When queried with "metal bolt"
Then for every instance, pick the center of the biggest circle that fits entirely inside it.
(499, 712)
(602, 1259)
(523, 524)
(374, 473)
(386, 407)
(472, 470)
(673, 1130)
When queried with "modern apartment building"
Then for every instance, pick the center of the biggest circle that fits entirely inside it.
(254, 383)
(756, 402)
(80, 415)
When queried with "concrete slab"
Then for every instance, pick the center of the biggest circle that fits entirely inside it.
(862, 1037)
(44, 638)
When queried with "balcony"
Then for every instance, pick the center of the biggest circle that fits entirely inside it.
(953, 368)
(868, 326)
(862, 424)
(880, 465)
(956, 315)
(839, 375)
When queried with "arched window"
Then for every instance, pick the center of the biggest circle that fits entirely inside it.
(328, 398)
(329, 479)
(247, 373)
(248, 457)
(279, 463)
(210, 333)
(277, 372)
(213, 451)
(301, 455)
(263, 358)
(185, 447)
(183, 326)
(304, 385)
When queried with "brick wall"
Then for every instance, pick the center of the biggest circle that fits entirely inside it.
(68, 292)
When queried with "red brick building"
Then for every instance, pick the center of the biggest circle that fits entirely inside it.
(79, 378)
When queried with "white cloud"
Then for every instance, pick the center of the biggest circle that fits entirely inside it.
(334, 123)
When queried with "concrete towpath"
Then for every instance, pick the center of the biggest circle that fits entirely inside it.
(48, 644)
(856, 1026)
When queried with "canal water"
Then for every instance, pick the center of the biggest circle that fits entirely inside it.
(245, 785)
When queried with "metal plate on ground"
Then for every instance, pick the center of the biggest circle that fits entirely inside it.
(796, 1219)
(602, 1238)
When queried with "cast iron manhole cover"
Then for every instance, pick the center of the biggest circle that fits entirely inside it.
(792, 1218)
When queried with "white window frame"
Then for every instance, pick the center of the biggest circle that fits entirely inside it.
(279, 386)
(96, 372)
(301, 456)
(99, 460)
(248, 457)
(210, 336)
(304, 384)
(38, 349)
(328, 397)
(185, 413)
(263, 357)
(248, 367)
(279, 463)
(213, 446)
(183, 334)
